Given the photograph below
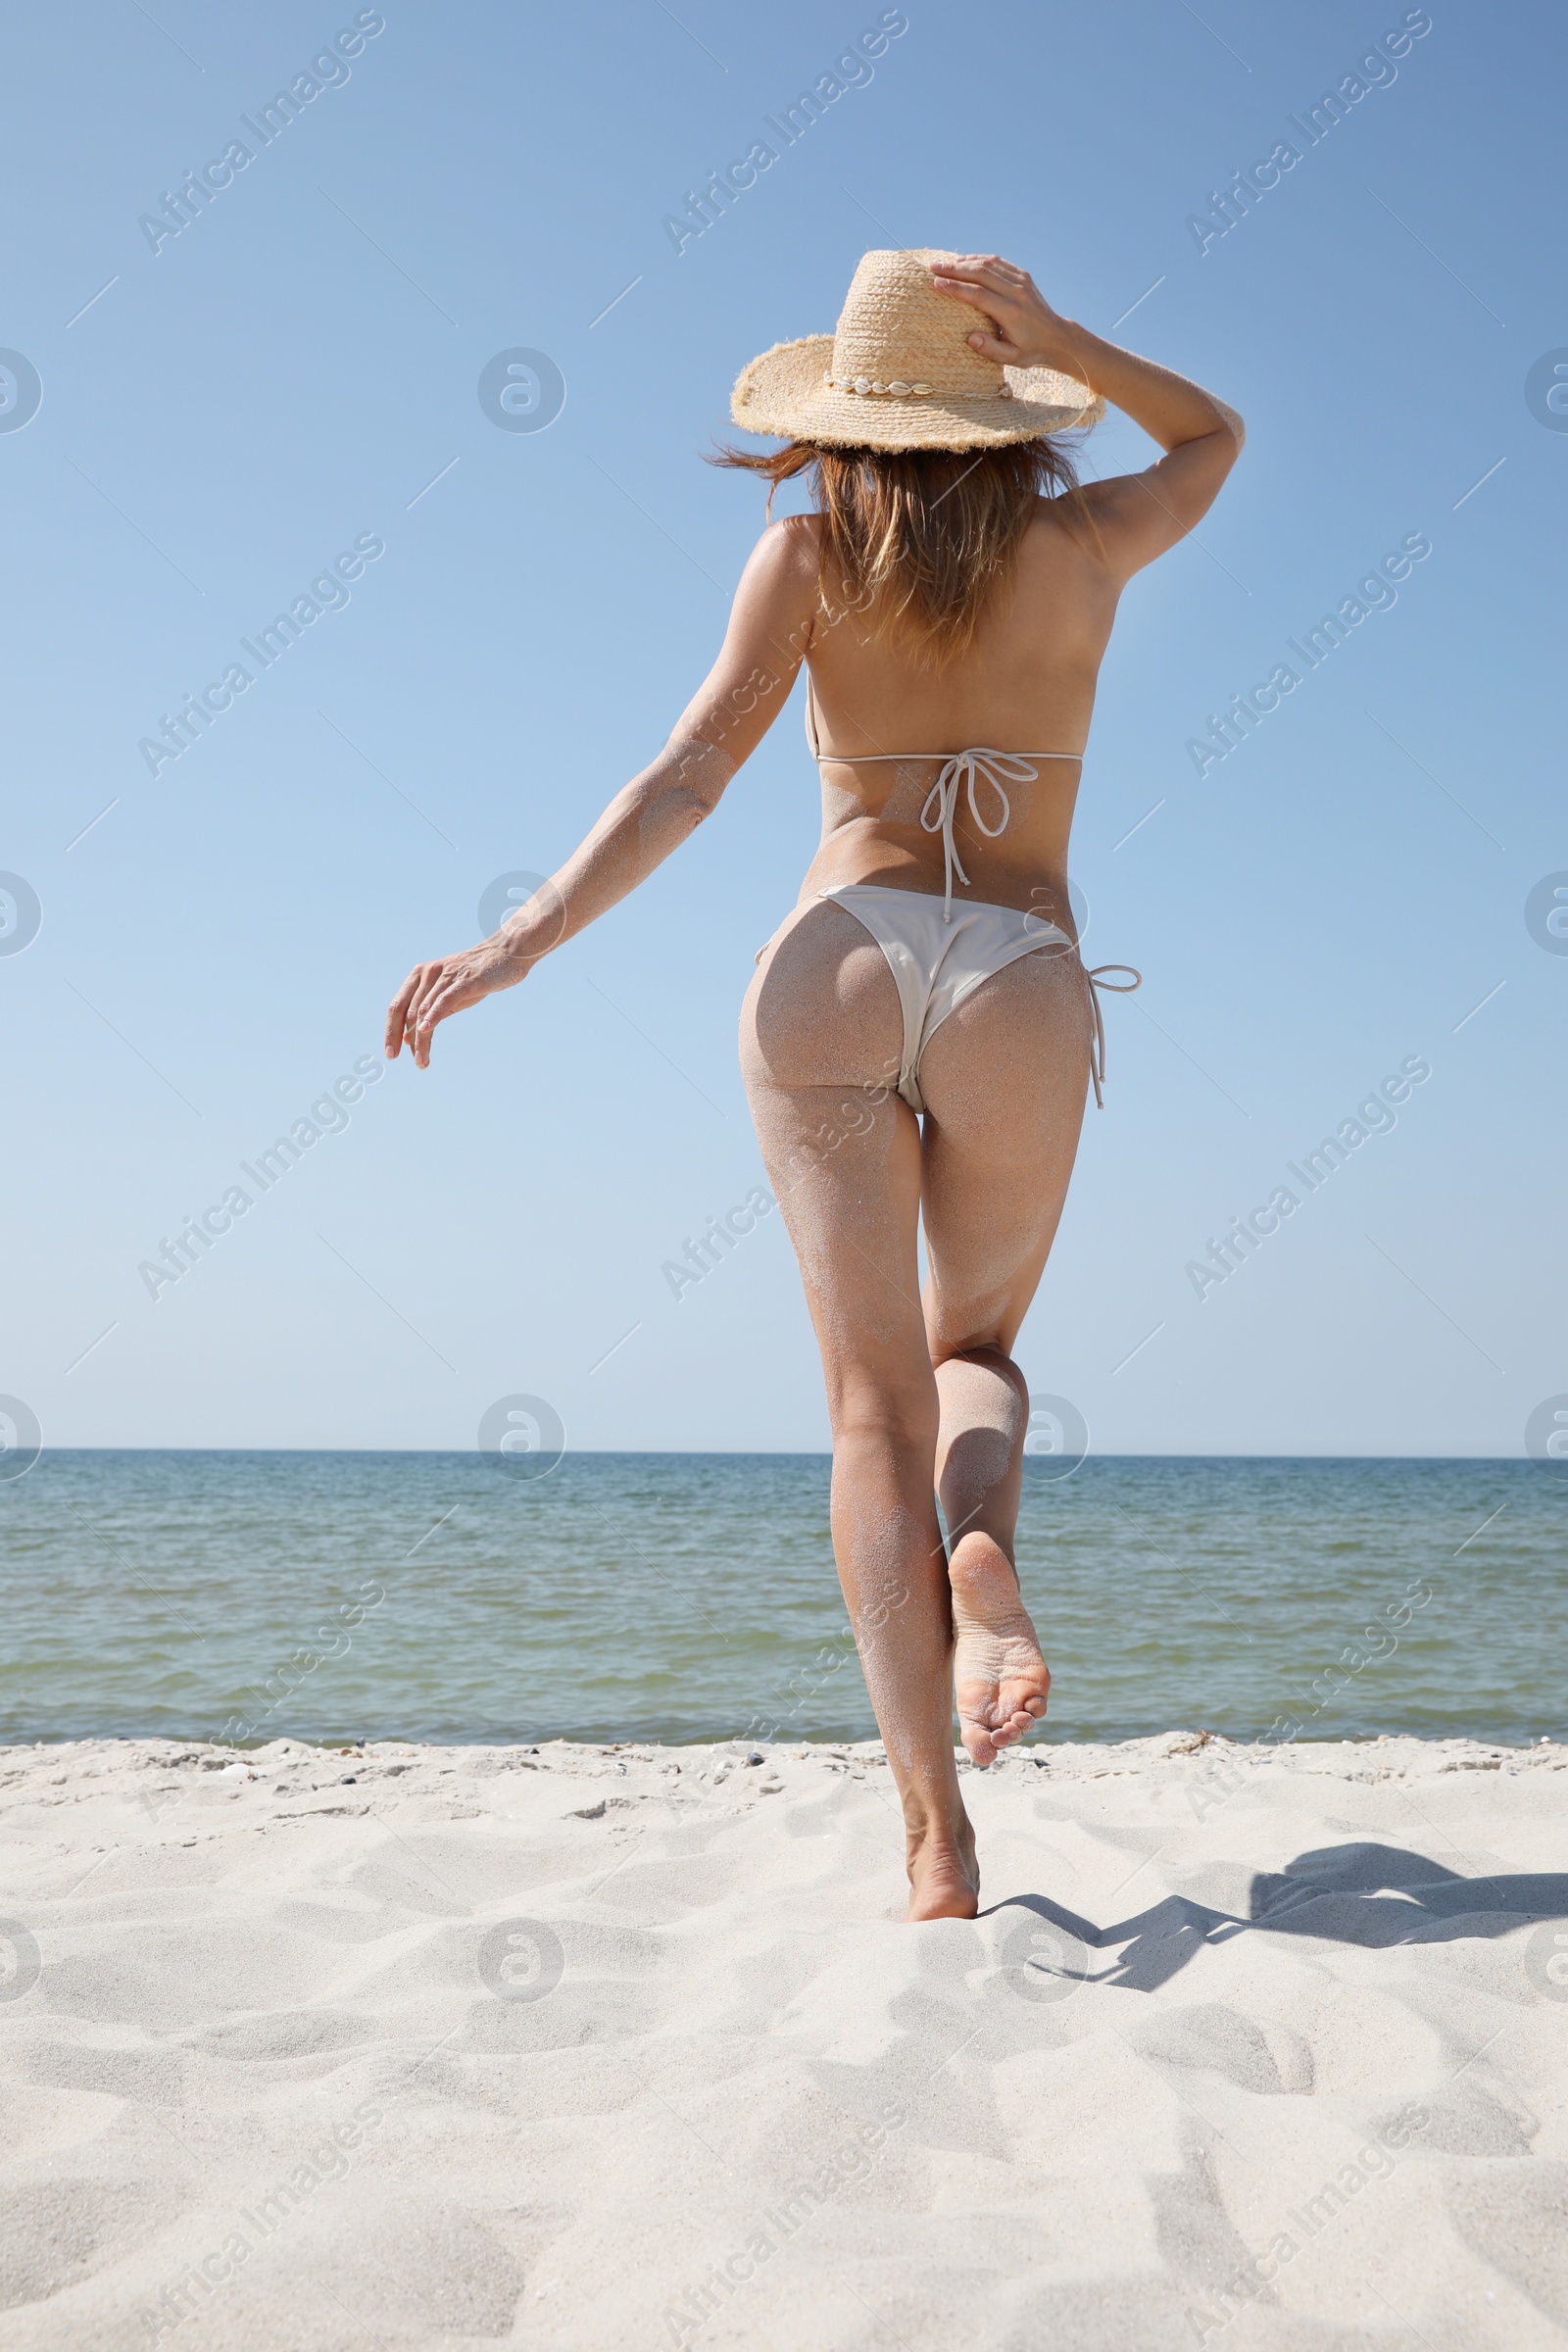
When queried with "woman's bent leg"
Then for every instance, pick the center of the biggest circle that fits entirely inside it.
(821, 1032)
(1005, 1080)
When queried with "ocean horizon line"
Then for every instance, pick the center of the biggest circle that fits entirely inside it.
(731, 1453)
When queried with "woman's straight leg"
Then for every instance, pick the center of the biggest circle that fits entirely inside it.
(820, 1035)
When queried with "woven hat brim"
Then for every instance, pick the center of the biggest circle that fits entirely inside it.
(783, 393)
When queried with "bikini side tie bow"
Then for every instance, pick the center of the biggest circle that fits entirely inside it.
(1118, 988)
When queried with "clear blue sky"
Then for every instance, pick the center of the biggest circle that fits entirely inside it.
(297, 371)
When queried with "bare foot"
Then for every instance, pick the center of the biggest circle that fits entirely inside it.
(1000, 1678)
(944, 1874)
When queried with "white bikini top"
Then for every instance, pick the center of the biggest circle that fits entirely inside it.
(959, 771)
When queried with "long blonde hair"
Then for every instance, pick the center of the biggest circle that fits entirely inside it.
(923, 539)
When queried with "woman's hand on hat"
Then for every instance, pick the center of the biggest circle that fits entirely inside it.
(1029, 332)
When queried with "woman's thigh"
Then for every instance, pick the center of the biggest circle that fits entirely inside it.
(1003, 1081)
(821, 1036)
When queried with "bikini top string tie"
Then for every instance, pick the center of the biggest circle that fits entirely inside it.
(1118, 988)
(960, 770)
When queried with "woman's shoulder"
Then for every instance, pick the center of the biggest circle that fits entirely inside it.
(791, 543)
(778, 588)
(785, 563)
(1068, 526)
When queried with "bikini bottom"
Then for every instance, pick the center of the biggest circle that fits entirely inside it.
(935, 964)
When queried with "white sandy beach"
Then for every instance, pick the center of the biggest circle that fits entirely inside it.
(604, 2048)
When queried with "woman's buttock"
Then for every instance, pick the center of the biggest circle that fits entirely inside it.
(1018, 1045)
(822, 1008)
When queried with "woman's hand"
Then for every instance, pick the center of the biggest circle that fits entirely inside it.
(1030, 334)
(432, 991)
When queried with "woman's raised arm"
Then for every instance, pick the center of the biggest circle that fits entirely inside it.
(1139, 515)
(770, 628)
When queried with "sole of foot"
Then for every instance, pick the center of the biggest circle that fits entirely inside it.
(1000, 1679)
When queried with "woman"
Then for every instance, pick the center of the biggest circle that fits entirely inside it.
(930, 967)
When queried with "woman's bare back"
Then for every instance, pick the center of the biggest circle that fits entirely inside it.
(1026, 684)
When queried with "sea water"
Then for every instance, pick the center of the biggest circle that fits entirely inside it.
(335, 1597)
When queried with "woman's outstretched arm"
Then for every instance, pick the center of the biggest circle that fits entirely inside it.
(1139, 515)
(770, 628)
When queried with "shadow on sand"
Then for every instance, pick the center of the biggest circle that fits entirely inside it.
(1361, 1893)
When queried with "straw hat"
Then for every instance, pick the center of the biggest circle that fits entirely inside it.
(901, 374)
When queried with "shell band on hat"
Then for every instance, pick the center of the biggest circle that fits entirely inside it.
(900, 373)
